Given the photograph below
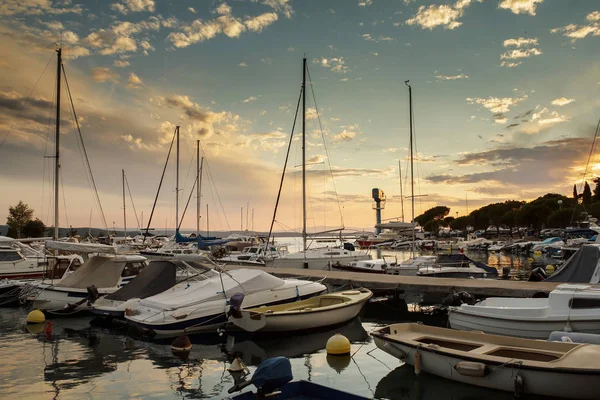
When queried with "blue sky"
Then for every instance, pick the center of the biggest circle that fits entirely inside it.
(505, 95)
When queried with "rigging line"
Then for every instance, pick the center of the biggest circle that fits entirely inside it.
(133, 204)
(587, 165)
(185, 181)
(187, 204)
(95, 189)
(287, 155)
(162, 177)
(46, 152)
(325, 145)
(25, 103)
(62, 186)
(211, 180)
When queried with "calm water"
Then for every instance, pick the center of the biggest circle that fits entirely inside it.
(80, 360)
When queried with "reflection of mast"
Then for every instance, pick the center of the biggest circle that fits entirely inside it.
(308, 365)
(401, 195)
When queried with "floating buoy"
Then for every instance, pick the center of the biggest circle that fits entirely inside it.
(417, 363)
(237, 366)
(549, 269)
(35, 328)
(181, 345)
(48, 329)
(36, 317)
(537, 253)
(530, 260)
(338, 345)
(338, 363)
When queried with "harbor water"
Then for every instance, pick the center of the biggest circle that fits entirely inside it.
(82, 359)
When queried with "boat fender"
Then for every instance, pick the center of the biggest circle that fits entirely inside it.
(468, 368)
(519, 386)
(417, 363)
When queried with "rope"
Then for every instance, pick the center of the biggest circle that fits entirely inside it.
(84, 151)
(214, 186)
(133, 204)
(587, 165)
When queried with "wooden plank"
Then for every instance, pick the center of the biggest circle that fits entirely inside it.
(383, 282)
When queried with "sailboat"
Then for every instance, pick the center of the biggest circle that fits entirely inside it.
(319, 258)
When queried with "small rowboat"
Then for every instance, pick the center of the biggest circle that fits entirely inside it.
(317, 312)
(522, 366)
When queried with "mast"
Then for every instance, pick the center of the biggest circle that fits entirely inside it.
(57, 143)
(241, 219)
(207, 228)
(412, 172)
(401, 195)
(304, 156)
(177, 184)
(247, 213)
(198, 180)
(124, 209)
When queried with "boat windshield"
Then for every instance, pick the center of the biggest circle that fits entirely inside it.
(10, 255)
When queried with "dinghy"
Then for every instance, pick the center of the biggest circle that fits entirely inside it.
(522, 366)
(317, 312)
(568, 308)
(457, 266)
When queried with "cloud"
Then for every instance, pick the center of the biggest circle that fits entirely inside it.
(104, 74)
(344, 135)
(521, 42)
(391, 150)
(38, 7)
(576, 32)
(368, 37)
(429, 17)
(545, 117)
(243, 64)
(562, 101)
(258, 23)
(365, 3)
(134, 6)
(497, 104)
(518, 53)
(335, 64)
(525, 48)
(451, 77)
(192, 10)
(134, 81)
(121, 63)
(279, 6)
(249, 99)
(509, 64)
(520, 6)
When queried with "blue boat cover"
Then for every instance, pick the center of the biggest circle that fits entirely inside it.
(272, 374)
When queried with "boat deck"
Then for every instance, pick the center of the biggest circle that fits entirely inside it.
(382, 283)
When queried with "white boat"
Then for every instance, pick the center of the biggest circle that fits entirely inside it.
(520, 366)
(411, 266)
(201, 306)
(320, 258)
(107, 273)
(457, 266)
(377, 266)
(571, 308)
(254, 255)
(157, 277)
(317, 312)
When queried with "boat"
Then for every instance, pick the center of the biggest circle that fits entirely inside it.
(411, 266)
(520, 366)
(99, 275)
(582, 267)
(254, 255)
(201, 306)
(317, 312)
(157, 277)
(571, 308)
(377, 266)
(273, 379)
(457, 266)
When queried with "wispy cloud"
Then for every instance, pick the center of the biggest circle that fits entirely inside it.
(562, 101)
(334, 64)
(134, 6)
(429, 17)
(520, 6)
(134, 81)
(104, 74)
(525, 47)
(576, 32)
(249, 99)
(451, 77)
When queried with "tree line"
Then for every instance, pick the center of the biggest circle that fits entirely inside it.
(551, 210)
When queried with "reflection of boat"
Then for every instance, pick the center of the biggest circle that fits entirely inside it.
(520, 366)
(201, 306)
(255, 350)
(319, 258)
(402, 383)
(317, 312)
(411, 266)
(569, 308)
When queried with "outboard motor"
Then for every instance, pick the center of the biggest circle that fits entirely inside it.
(349, 246)
(537, 275)
(270, 376)
(235, 305)
(93, 294)
(456, 299)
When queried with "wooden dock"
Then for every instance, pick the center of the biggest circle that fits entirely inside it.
(382, 283)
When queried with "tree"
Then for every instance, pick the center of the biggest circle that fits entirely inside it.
(594, 209)
(587, 195)
(447, 221)
(461, 223)
(596, 195)
(435, 213)
(18, 217)
(34, 229)
(509, 219)
(575, 196)
(432, 226)
(560, 218)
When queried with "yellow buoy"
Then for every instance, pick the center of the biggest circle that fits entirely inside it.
(530, 260)
(338, 345)
(537, 253)
(35, 317)
(549, 269)
(35, 328)
(338, 363)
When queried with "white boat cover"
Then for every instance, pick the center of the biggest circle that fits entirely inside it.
(100, 271)
(83, 248)
(186, 294)
(582, 267)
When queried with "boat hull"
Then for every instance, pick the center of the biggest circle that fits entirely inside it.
(530, 329)
(538, 382)
(314, 263)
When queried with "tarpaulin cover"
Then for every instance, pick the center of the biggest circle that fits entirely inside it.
(157, 277)
(100, 271)
(272, 374)
(80, 247)
(582, 267)
(462, 261)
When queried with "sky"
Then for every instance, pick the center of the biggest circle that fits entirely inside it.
(505, 99)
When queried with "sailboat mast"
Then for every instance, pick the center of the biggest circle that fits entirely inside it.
(124, 209)
(198, 182)
(412, 171)
(57, 143)
(401, 195)
(177, 184)
(207, 227)
(304, 155)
